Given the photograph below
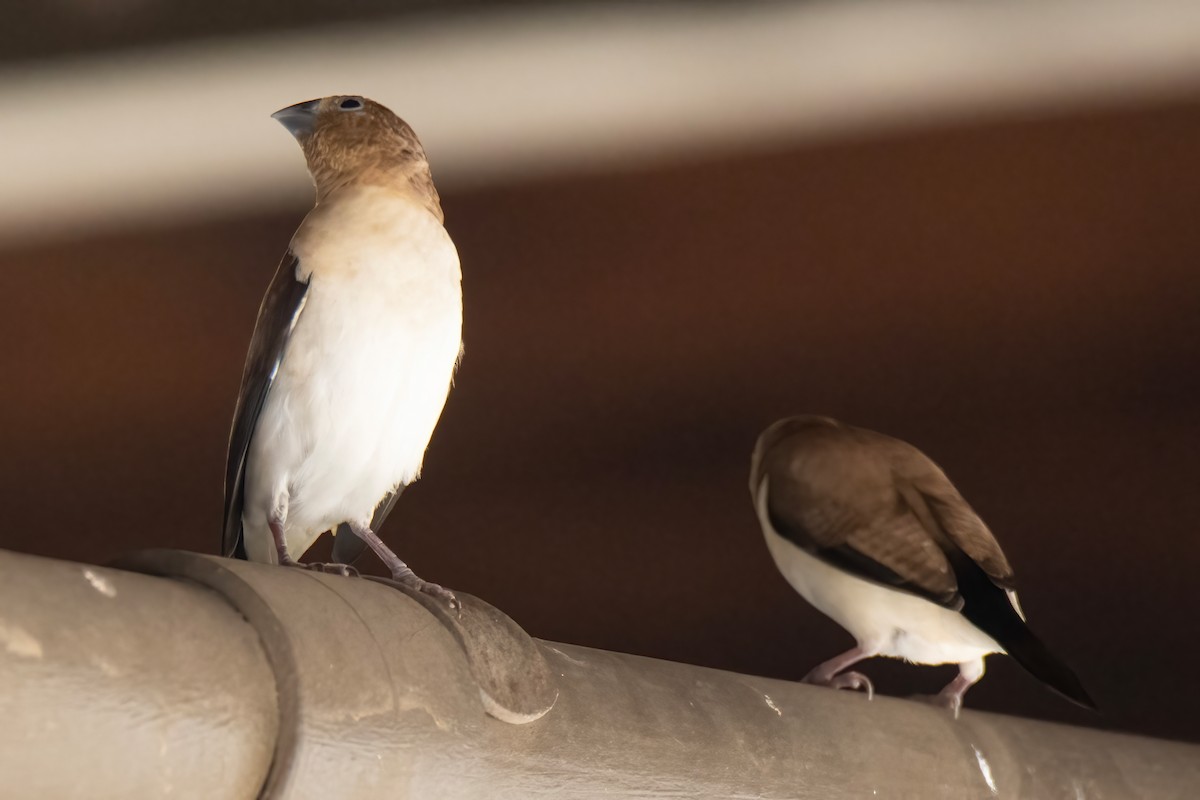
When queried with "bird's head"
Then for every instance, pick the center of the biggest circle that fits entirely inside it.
(351, 139)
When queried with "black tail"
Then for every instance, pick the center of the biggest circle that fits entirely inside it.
(987, 606)
(1028, 651)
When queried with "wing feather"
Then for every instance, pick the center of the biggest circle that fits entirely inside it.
(875, 507)
(277, 316)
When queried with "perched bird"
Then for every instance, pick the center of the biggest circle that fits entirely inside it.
(872, 533)
(354, 351)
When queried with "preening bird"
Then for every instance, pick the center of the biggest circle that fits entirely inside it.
(871, 532)
(355, 347)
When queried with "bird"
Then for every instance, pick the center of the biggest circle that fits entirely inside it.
(873, 534)
(354, 350)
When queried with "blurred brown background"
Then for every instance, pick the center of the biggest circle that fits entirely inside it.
(1019, 297)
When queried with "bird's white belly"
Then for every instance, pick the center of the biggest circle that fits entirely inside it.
(358, 394)
(882, 620)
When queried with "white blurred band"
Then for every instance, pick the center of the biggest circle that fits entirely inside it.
(184, 132)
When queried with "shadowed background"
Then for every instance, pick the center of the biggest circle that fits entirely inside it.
(1018, 297)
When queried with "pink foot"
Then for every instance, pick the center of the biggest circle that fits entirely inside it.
(951, 702)
(328, 568)
(846, 680)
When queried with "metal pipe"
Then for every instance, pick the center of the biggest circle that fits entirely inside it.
(120, 685)
(224, 679)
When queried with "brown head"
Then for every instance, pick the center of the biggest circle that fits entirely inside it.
(349, 139)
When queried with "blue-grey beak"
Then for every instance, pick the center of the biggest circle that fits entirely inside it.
(298, 119)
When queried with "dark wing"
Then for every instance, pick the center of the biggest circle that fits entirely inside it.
(984, 579)
(347, 548)
(951, 515)
(890, 548)
(276, 319)
(880, 509)
(877, 508)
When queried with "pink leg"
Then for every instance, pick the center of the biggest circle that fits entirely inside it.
(285, 558)
(969, 673)
(829, 673)
(951, 697)
(401, 572)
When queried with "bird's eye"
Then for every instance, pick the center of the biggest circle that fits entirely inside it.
(350, 104)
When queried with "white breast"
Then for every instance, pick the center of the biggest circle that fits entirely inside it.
(884, 621)
(366, 372)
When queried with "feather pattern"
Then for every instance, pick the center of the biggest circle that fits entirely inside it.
(346, 376)
(874, 506)
(280, 310)
(368, 368)
(873, 534)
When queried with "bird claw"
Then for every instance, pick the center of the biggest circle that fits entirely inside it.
(948, 700)
(406, 581)
(845, 680)
(440, 593)
(327, 567)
